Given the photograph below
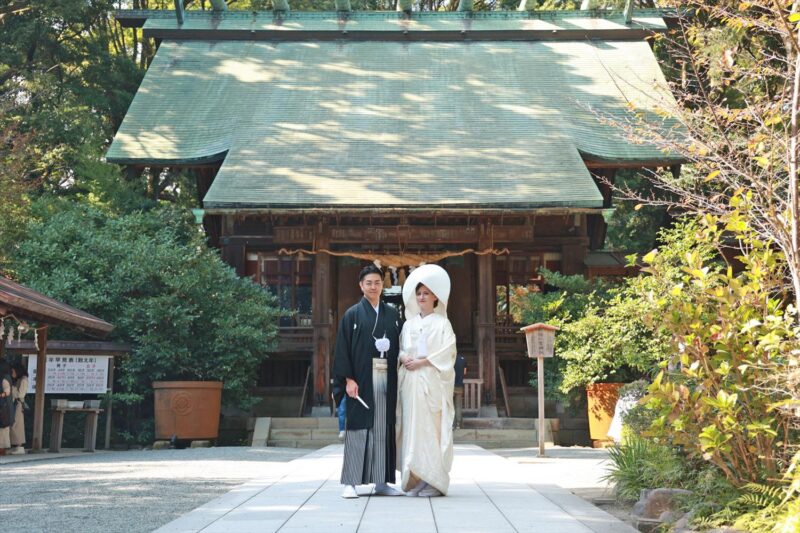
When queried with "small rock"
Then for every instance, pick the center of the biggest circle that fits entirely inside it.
(655, 502)
(682, 525)
(161, 445)
(647, 525)
(200, 444)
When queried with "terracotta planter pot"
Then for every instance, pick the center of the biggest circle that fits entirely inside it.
(187, 409)
(602, 399)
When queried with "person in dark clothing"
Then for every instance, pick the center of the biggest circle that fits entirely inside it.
(458, 390)
(365, 368)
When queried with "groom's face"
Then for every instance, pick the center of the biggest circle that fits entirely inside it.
(371, 286)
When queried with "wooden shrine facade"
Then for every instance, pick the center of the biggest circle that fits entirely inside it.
(490, 252)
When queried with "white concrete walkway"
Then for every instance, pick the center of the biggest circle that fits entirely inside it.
(488, 494)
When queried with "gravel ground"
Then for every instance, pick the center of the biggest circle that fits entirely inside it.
(126, 491)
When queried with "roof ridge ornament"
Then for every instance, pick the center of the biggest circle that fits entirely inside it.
(342, 6)
(465, 5)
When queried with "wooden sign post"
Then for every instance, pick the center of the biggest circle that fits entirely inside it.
(541, 339)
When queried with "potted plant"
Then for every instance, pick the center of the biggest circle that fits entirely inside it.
(605, 348)
(602, 344)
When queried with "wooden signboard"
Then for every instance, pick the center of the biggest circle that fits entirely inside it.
(72, 374)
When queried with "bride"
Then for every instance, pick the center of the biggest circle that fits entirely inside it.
(425, 384)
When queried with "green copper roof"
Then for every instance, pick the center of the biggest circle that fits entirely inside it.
(349, 124)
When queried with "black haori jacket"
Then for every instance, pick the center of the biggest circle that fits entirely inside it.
(355, 349)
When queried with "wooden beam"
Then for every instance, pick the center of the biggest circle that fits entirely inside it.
(25, 346)
(321, 316)
(41, 380)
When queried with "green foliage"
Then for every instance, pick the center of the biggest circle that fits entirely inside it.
(634, 227)
(610, 343)
(602, 335)
(637, 420)
(762, 508)
(186, 314)
(643, 464)
(730, 337)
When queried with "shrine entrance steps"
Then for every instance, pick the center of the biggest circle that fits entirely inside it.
(314, 433)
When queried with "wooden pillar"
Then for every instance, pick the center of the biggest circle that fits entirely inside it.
(487, 310)
(110, 388)
(572, 257)
(232, 254)
(321, 315)
(41, 379)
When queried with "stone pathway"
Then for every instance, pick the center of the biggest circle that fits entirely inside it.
(488, 494)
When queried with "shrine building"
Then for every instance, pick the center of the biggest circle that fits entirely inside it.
(321, 141)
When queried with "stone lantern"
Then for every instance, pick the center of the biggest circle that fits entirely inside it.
(541, 341)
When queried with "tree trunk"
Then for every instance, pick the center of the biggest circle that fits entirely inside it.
(794, 260)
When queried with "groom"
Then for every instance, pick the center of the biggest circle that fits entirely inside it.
(365, 368)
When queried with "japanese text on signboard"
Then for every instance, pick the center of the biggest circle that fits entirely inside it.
(72, 374)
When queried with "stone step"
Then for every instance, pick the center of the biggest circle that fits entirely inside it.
(289, 434)
(477, 435)
(328, 422)
(305, 444)
(494, 444)
(501, 423)
(486, 432)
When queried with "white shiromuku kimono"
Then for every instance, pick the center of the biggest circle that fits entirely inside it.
(425, 396)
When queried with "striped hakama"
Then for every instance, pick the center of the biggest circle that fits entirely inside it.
(366, 450)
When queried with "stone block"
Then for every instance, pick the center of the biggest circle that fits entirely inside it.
(506, 434)
(289, 434)
(574, 423)
(295, 423)
(330, 435)
(261, 431)
(161, 445)
(654, 503)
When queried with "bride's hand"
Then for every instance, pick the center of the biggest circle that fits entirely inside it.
(415, 364)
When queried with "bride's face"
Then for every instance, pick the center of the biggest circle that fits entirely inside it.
(425, 300)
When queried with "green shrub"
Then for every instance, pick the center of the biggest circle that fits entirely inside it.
(638, 419)
(641, 463)
(602, 337)
(730, 336)
(185, 313)
(761, 507)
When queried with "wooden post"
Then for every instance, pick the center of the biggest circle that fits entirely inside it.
(540, 376)
(108, 407)
(321, 315)
(232, 254)
(41, 379)
(487, 309)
